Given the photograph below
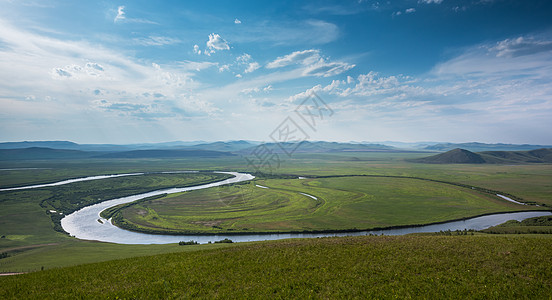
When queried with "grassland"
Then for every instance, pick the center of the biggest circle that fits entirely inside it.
(32, 243)
(342, 203)
(434, 267)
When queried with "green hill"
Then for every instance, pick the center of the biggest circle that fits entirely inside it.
(455, 156)
(462, 156)
(477, 147)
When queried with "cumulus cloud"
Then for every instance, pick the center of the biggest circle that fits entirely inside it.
(89, 70)
(196, 49)
(236, 21)
(316, 89)
(244, 58)
(216, 42)
(224, 68)
(252, 67)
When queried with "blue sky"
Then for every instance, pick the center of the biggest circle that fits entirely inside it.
(154, 71)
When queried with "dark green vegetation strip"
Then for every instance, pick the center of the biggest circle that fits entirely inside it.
(344, 203)
(531, 225)
(434, 267)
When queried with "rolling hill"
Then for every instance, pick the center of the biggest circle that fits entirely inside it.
(477, 147)
(463, 156)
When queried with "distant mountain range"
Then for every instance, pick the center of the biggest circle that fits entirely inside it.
(34, 153)
(463, 156)
(66, 149)
(318, 147)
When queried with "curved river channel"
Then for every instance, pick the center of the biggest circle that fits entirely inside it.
(84, 223)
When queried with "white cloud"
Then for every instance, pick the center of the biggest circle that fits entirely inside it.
(316, 89)
(236, 21)
(430, 1)
(312, 63)
(224, 68)
(521, 46)
(327, 69)
(410, 10)
(196, 49)
(304, 57)
(121, 17)
(252, 67)
(120, 14)
(244, 58)
(257, 90)
(215, 42)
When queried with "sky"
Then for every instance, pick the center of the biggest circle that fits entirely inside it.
(156, 71)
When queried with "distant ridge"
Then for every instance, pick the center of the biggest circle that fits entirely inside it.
(319, 147)
(34, 153)
(165, 154)
(478, 147)
(462, 156)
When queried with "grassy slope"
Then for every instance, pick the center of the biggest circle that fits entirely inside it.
(434, 267)
(343, 203)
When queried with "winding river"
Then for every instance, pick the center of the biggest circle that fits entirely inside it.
(85, 223)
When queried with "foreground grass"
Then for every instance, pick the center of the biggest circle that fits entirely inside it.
(70, 252)
(436, 267)
(342, 203)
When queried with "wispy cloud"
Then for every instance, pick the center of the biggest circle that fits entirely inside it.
(521, 46)
(313, 64)
(431, 1)
(304, 57)
(156, 41)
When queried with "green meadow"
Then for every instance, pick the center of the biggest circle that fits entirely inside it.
(31, 243)
(277, 205)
